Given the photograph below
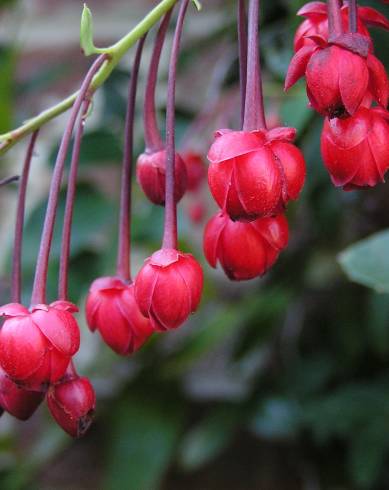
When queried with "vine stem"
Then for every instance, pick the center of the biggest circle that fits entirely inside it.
(152, 136)
(123, 268)
(16, 275)
(69, 205)
(334, 19)
(170, 226)
(39, 287)
(254, 114)
(242, 40)
(115, 54)
(353, 15)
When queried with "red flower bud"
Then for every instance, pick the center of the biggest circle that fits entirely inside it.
(316, 22)
(244, 250)
(356, 150)
(254, 174)
(112, 310)
(72, 404)
(195, 169)
(168, 288)
(15, 400)
(339, 76)
(150, 172)
(36, 346)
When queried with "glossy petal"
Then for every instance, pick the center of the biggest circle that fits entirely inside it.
(233, 144)
(379, 83)
(298, 65)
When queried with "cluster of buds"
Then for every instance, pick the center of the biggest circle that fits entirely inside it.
(253, 174)
(335, 53)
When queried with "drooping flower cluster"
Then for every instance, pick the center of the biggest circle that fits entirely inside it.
(253, 174)
(344, 79)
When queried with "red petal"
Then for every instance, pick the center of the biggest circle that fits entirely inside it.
(65, 306)
(232, 144)
(298, 65)
(281, 133)
(13, 309)
(22, 347)
(60, 328)
(353, 81)
(318, 8)
(293, 164)
(379, 84)
(192, 274)
(145, 283)
(212, 233)
(372, 17)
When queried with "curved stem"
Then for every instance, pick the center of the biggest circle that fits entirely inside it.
(334, 19)
(123, 267)
(69, 206)
(152, 136)
(254, 115)
(242, 39)
(39, 287)
(170, 227)
(116, 53)
(16, 281)
(353, 15)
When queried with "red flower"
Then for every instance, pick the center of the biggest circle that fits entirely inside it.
(168, 288)
(72, 404)
(15, 400)
(150, 172)
(356, 150)
(195, 169)
(316, 22)
(112, 310)
(339, 75)
(36, 346)
(244, 250)
(254, 174)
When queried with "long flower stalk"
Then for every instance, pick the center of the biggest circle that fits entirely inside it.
(39, 287)
(123, 267)
(170, 227)
(16, 275)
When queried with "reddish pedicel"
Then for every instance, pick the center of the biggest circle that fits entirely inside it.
(17, 401)
(244, 250)
(356, 150)
(112, 310)
(254, 174)
(150, 172)
(36, 346)
(168, 288)
(72, 404)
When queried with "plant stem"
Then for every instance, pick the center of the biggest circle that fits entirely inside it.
(16, 281)
(353, 15)
(152, 135)
(123, 268)
(242, 39)
(254, 115)
(39, 287)
(170, 228)
(116, 52)
(9, 180)
(334, 19)
(69, 206)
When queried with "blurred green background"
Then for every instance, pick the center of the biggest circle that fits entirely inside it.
(278, 383)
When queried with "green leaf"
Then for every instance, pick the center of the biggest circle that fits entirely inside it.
(144, 434)
(367, 262)
(86, 32)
